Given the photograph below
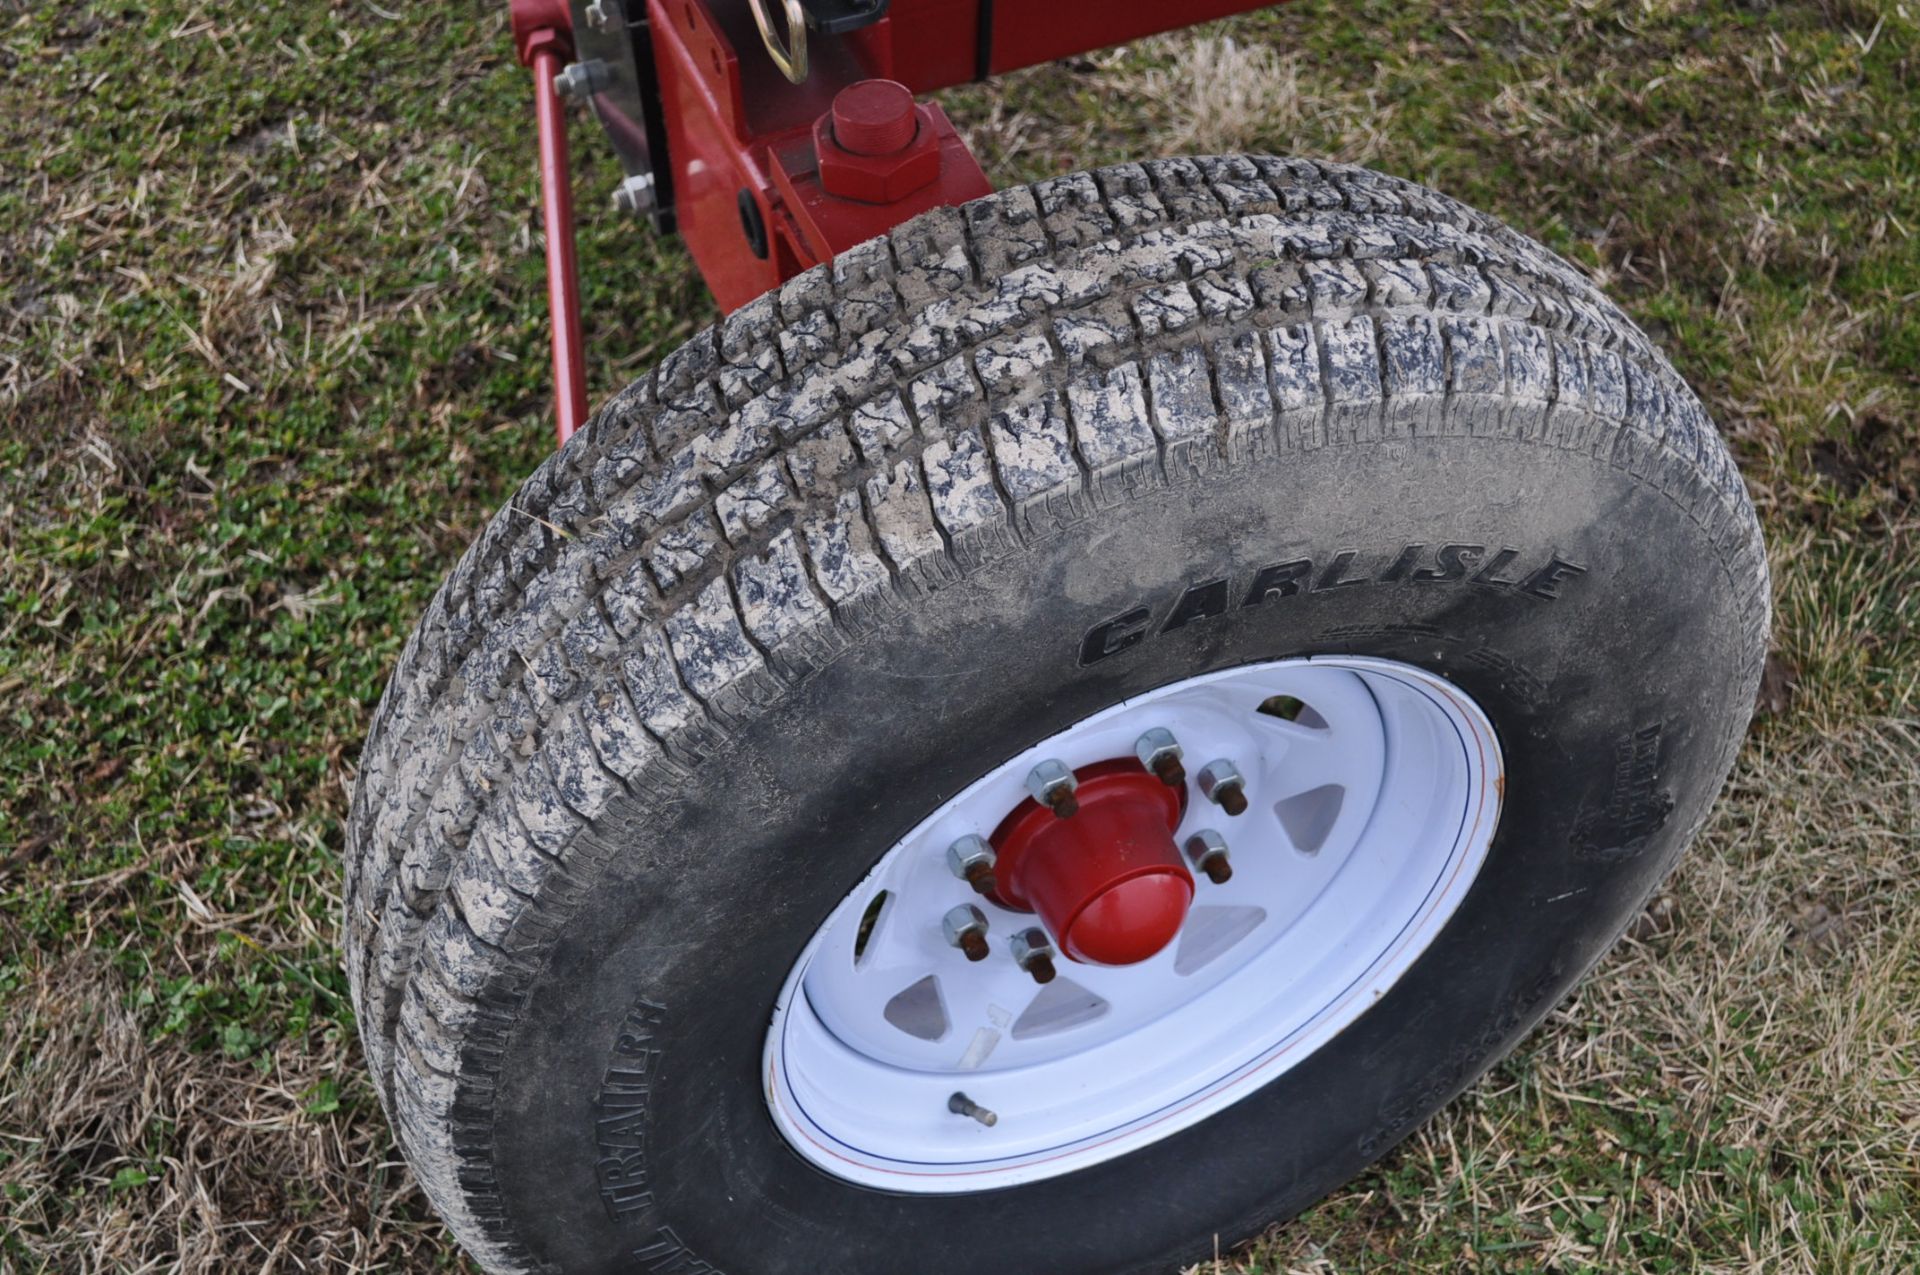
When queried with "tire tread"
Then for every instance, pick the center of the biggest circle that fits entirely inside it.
(980, 378)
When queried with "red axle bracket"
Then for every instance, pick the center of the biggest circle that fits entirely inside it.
(771, 177)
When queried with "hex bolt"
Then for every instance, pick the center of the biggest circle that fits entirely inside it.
(1208, 850)
(1160, 753)
(1053, 785)
(961, 1105)
(1222, 784)
(602, 14)
(582, 80)
(966, 928)
(635, 194)
(1033, 952)
(972, 859)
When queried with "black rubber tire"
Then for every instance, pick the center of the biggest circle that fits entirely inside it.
(880, 530)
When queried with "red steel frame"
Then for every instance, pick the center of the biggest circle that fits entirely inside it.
(742, 140)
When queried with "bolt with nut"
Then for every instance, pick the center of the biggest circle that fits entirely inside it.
(1053, 786)
(1160, 753)
(1208, 850)
(634, 194)
(966, 928)
(1033, 952)
(1223, 785)
(972, 859)
(582, 80)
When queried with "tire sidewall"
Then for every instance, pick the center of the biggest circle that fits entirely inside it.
(630, 1129)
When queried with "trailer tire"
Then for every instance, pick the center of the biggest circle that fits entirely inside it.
(869, 537)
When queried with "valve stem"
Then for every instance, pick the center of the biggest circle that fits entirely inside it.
(961, 1105)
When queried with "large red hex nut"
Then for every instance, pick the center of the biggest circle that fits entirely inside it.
(874, 117)
(876, 145)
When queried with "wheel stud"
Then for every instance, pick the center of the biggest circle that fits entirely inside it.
(1033, 952)
(966, 928)
(972, 859)
(1208, 850)
(1222, 784)
(961, 1105)
(1053, 785)
(1160, 753)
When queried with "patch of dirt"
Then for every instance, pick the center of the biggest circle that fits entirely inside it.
(1779, 679)
(1821, 926)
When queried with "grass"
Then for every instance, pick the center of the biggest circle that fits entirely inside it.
(272, 347)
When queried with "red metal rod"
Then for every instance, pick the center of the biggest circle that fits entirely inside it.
(563, 272)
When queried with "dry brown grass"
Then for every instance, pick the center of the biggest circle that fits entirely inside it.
(192, 1161)
(1219, 94)
(1761, 1020)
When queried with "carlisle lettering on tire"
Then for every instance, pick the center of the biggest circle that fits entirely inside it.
(870, 537)
(1451, 563)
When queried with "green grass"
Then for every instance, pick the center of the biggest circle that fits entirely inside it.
(272, 347)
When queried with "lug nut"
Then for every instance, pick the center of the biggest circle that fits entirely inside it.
(961, 1105)
(1208, 850)
(1222, 784)
(966, 928)
(972, 859)
(1033, 952)
(1160, 753)
(1053, 785)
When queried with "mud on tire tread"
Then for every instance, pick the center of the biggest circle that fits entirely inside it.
(983, 377)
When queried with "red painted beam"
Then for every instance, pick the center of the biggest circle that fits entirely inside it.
(934, 44)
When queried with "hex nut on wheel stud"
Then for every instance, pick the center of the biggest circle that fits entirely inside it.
(1208, 850)
(1033, 952)
(972, 859)
(1160, 753)
(966, 928)
(1053, 786)
(1222, 784)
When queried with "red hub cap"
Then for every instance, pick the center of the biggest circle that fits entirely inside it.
(1107, 882)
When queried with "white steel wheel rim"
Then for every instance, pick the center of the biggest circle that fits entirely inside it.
(1368, 821)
